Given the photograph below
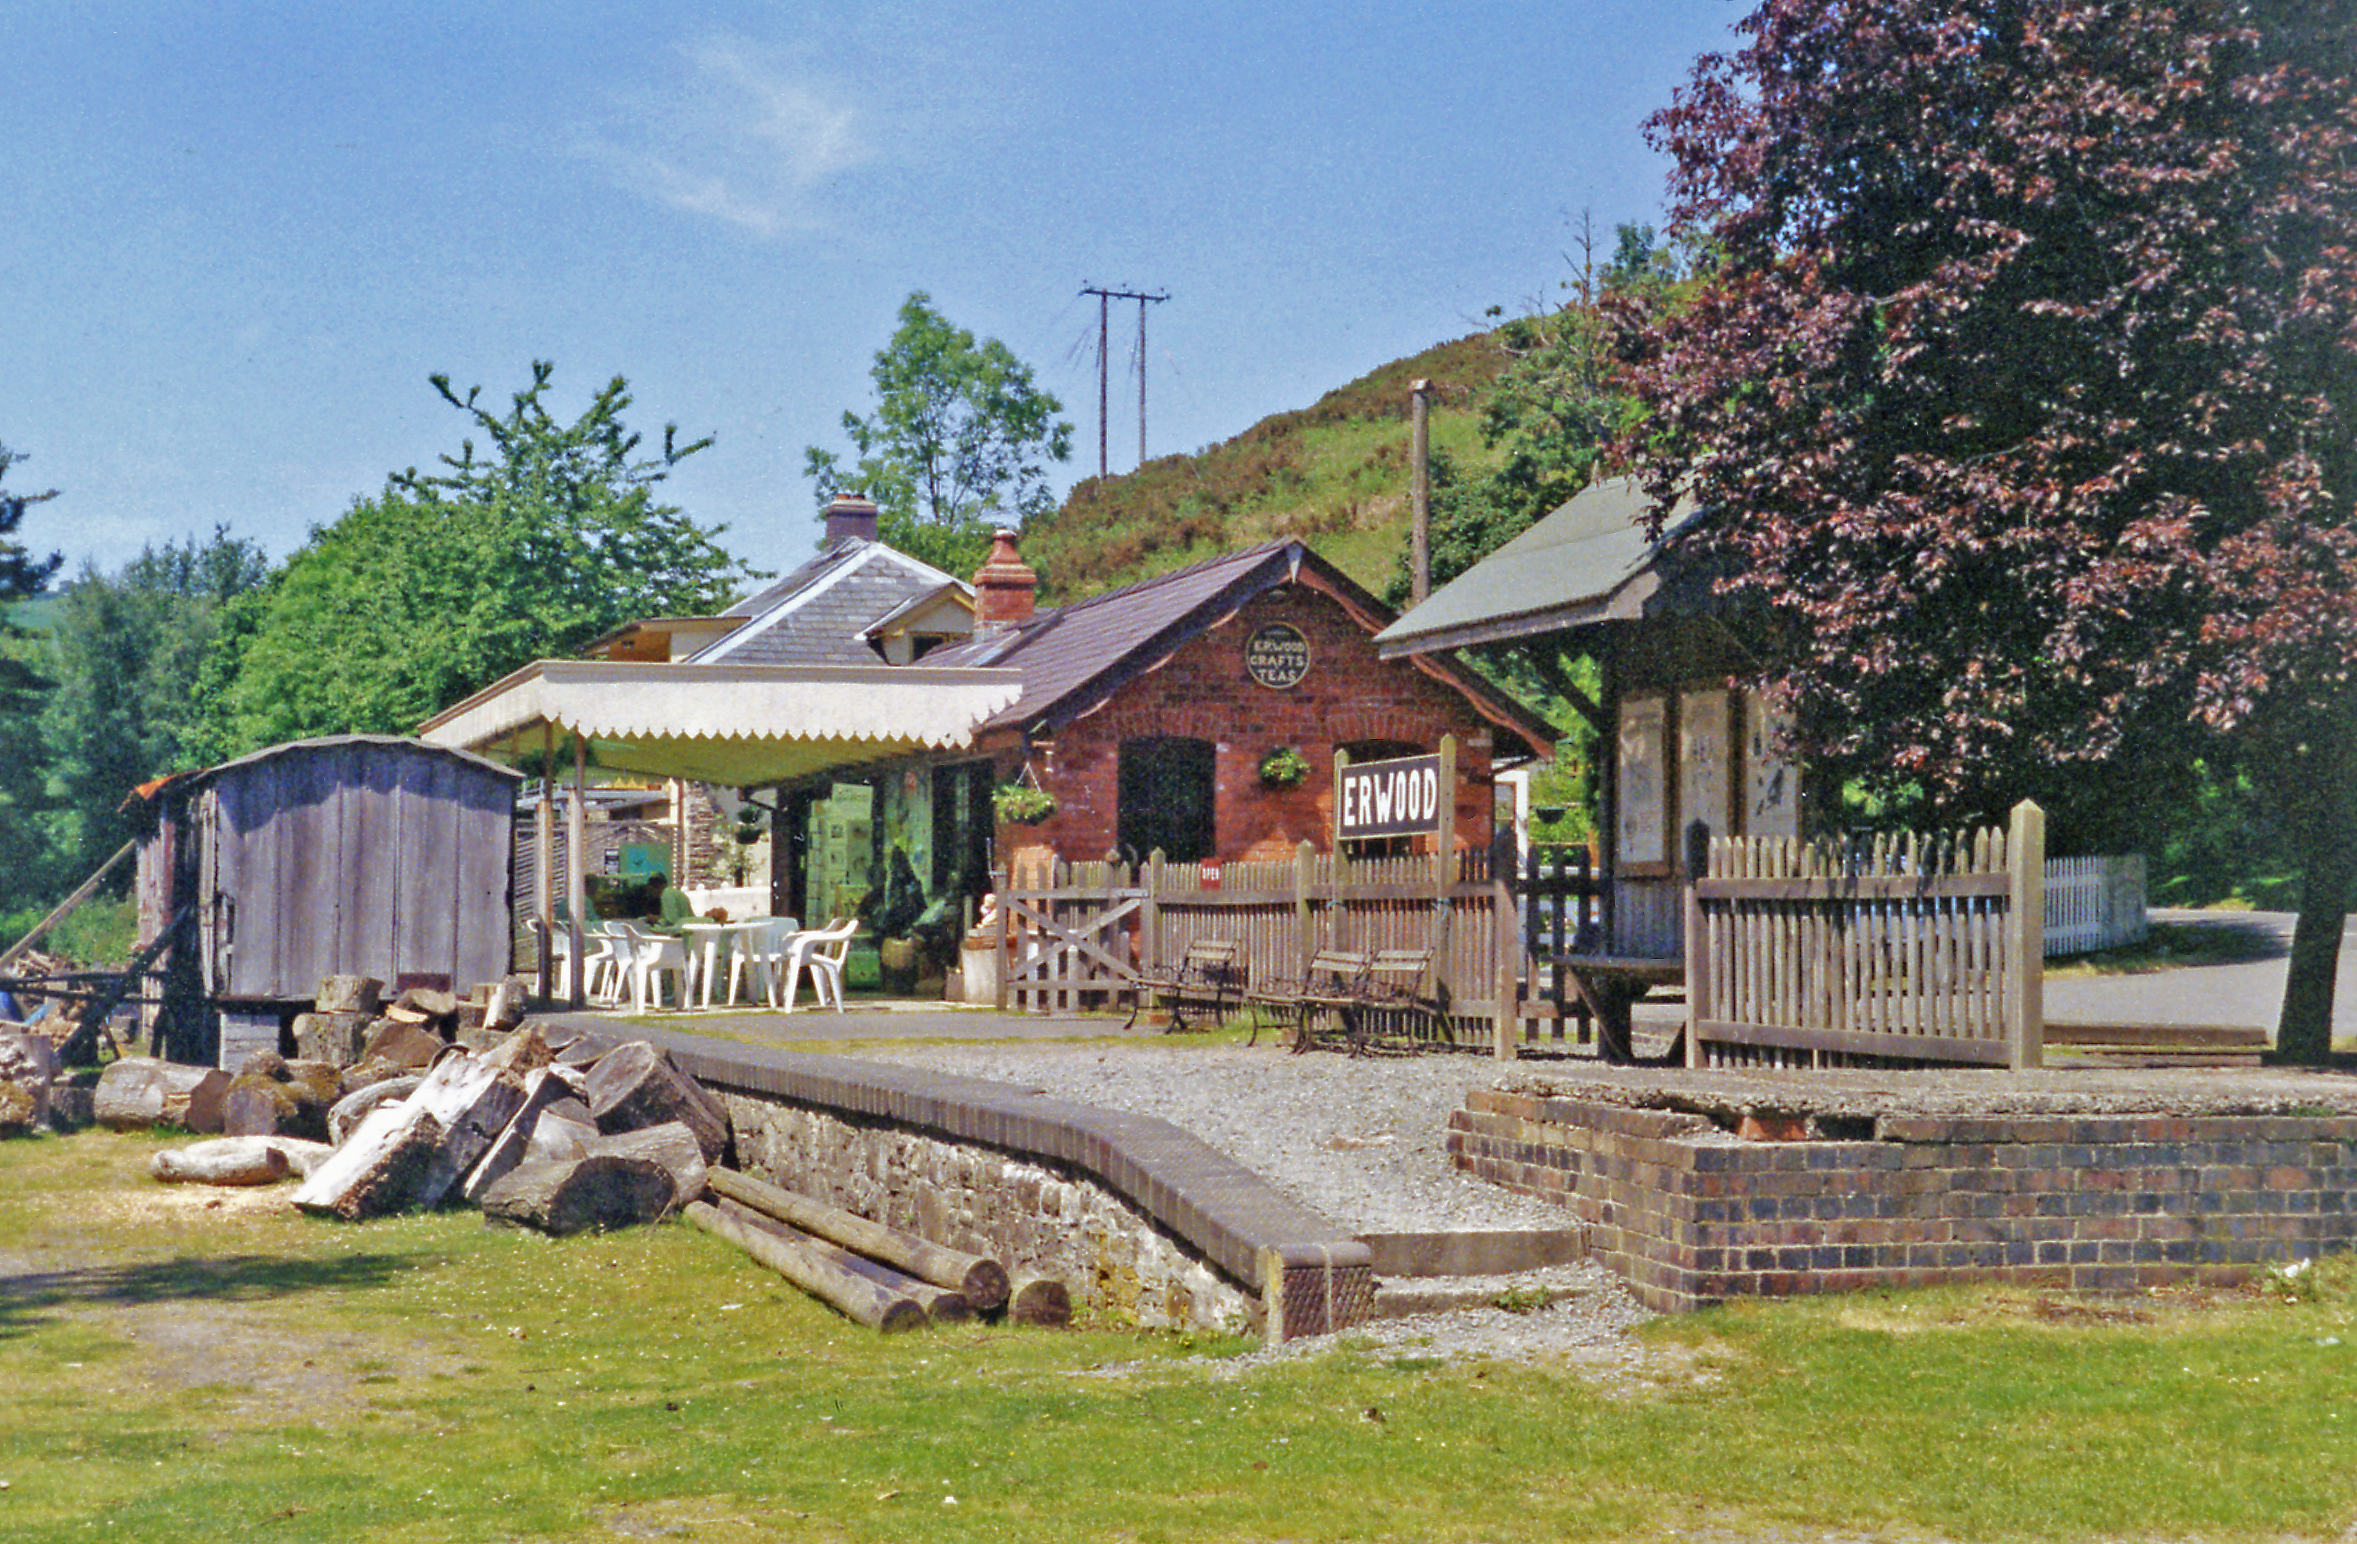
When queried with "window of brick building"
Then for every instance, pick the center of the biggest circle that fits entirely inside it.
(1166, 798)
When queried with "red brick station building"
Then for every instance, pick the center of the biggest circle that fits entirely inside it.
(1146, 714)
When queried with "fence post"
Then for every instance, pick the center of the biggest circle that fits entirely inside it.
(1006, 903)
(1150, 917)
(2025, 983)
(1505, 945)
(1303, 949)
(1698, 983)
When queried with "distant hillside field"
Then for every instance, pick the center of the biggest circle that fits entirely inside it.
(1334, 474)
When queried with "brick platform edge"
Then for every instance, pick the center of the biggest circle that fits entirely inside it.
(994, 1166)
(1689, 1214)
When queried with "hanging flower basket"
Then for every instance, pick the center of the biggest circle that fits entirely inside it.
(1283, 767)
(1021, 804)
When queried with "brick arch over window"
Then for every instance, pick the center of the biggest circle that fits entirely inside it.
(1406, 728)
(1191, 723)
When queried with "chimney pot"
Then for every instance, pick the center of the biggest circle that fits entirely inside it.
(1006, 590)
(851, 515)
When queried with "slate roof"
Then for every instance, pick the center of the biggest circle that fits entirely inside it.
(1589, 561)
(1076, 656)
(816, 614)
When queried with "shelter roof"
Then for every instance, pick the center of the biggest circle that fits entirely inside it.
(1589, 561)
(740, 726)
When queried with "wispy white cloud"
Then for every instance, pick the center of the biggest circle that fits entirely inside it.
(746, 135)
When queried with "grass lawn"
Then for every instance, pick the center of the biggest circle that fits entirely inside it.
(190, 1365)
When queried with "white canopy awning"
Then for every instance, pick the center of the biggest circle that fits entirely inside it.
(740, 726)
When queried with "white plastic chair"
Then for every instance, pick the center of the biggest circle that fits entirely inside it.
(600, 975)
(822, 950)
(653, 956)
(763, 947)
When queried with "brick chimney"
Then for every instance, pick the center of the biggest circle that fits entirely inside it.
(1005, 588)
(851, 514)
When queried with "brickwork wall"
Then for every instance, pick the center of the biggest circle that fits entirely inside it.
(1111, 1259)
(1690, 1214)
(1204, 692)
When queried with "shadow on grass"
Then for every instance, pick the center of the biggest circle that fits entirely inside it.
(27, 1301)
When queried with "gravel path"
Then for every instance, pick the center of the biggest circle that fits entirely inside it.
(1362, 1142)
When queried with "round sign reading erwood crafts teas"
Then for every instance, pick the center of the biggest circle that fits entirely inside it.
(1277, 655)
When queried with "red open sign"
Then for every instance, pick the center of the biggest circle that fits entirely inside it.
(1207, 874)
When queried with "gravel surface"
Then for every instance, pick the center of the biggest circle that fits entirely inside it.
(1365, 1144)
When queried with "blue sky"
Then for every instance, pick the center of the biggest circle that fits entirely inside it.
(238, 238)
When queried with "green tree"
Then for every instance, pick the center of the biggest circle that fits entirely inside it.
(958, 443)
(2022, 393)
(448, 580)
(27, 855)
(128, 651)
(1557, 409)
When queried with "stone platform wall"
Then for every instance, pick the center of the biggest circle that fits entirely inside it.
(1690, 1214)
(1142, 1220)
(1110, 1257)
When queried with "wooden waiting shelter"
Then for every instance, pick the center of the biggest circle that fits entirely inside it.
(739, 726)
(1680, 746)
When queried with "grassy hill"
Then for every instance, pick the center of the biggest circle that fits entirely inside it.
(1334, 474)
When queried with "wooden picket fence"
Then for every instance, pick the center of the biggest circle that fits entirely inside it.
(1075, 934)
(1902, 950)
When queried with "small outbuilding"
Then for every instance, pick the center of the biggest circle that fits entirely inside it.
(355, 855)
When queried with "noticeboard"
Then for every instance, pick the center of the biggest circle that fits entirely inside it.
(1401, 797)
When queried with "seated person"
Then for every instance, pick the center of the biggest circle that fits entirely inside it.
(673, 907)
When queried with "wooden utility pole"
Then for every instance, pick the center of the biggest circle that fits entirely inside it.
(1105, 299)
(1420, 488)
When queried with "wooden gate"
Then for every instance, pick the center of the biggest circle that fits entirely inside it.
(1065, 935)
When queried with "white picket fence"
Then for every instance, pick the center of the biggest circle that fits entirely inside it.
(2094, 903)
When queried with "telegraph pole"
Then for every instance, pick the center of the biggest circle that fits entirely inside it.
(1105, 299)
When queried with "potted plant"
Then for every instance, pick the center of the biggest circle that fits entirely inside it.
(1022, 804)
(1283, 767)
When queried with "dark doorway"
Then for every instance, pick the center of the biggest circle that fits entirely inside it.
(1166, 798)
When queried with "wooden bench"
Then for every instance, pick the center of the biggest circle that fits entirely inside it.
(1208, 978)
(1608, 985)
(1330, 985)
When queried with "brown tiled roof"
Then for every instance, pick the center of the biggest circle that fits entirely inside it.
(1074, 657)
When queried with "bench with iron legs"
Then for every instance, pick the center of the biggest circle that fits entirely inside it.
(1395, 990)
(1324, 992)
(1208, 980)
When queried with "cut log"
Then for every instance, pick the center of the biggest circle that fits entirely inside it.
(671, 1144)
(238, 1160)
(564, 1131)
(503, 1005)
(381, 1170)
(433, 1002)
(288, 1099)
(463, 1103)
(346, 1114)
(331, 1037)
(853, 1296)
(982, 1282)
(565, 1198)
(1042, 1300)
(524, 1051)
(404, 1045)
(512, 1147)
(941, 1305)
(364, 995)
(137, 1092)
(28, 1066)
(635, 1086)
